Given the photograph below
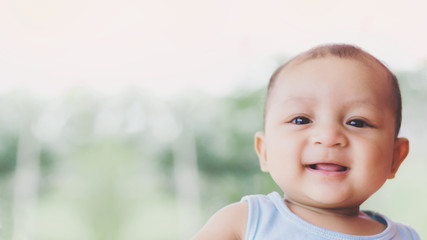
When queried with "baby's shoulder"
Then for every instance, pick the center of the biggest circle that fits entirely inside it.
(228, 223)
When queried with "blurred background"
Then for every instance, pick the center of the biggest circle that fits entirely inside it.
(135, 119)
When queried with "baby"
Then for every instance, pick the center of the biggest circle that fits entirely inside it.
(330, 140)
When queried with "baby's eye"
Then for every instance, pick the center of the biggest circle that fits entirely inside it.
(357, 123)
(301, 120)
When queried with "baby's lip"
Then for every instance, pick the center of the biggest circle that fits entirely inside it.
(327, 167)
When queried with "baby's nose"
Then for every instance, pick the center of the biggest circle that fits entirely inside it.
(329, 135)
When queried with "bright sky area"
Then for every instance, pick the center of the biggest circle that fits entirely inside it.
(167, 46)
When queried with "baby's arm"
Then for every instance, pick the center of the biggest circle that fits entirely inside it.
(228, 223)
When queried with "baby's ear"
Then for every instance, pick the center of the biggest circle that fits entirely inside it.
(260, 148)
(401, 150)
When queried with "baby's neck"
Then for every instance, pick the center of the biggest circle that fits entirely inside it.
(345, 220)
(337, 212)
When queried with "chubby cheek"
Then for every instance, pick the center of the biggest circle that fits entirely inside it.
(284, 157)
(375, 164)
(285, 150)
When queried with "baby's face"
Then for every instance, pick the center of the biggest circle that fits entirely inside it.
(329, 132)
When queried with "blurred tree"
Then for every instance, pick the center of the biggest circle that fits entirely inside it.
(223, 131)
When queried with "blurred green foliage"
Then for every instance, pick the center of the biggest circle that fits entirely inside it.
(107, 167)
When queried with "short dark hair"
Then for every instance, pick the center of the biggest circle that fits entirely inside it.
(349, 52)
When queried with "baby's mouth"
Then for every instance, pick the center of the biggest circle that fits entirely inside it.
(328, 167)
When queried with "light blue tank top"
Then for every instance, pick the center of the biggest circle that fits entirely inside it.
(270, 219)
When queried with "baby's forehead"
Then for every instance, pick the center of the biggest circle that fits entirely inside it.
(332, 64)
(318, 70)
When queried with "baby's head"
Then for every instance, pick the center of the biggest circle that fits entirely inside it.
(345, 51)
(332, 118)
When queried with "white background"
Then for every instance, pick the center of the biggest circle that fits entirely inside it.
(166, 46)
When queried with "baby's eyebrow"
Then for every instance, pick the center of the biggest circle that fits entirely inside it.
(364, 103)
(298, 100)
